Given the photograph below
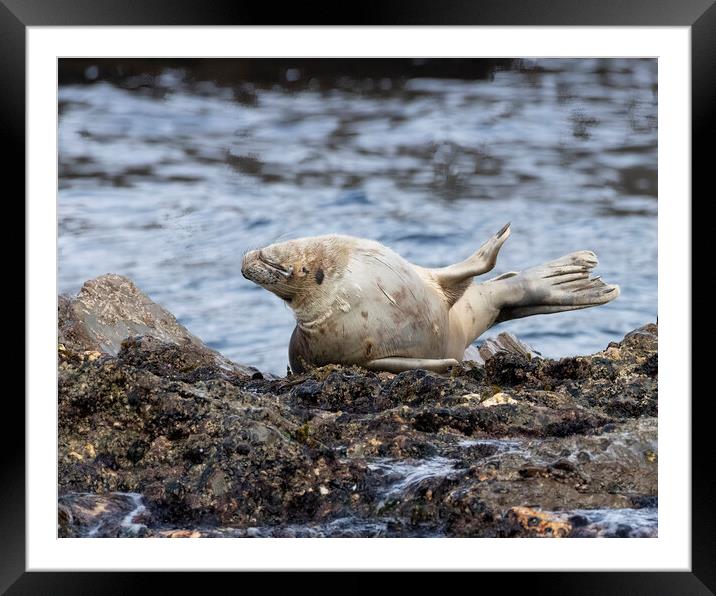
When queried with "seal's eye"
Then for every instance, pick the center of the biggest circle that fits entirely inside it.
(304, 269)
(319, 276)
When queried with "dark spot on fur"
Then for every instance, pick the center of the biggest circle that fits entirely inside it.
(368, 349)
(319, 276)
(364, 314)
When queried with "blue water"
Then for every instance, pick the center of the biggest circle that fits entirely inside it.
(171, 188)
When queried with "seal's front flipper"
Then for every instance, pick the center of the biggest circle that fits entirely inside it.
(455, 279)
(396, 365)
(557, 286)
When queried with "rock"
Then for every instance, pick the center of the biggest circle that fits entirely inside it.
(538, 523)
(506, 342)
(110, 309)
(113, 515)
(499, 398)
(159, 436)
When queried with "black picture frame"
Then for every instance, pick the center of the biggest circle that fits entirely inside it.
(17, 15)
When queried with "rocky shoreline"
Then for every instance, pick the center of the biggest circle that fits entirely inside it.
(161, 436)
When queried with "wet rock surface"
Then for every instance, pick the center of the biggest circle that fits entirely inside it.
(161, 436)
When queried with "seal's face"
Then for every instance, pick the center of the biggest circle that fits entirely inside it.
(290, 269)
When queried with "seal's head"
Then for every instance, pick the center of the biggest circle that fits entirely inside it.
(298, 271)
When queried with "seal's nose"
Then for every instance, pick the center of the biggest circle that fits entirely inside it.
(249, 257)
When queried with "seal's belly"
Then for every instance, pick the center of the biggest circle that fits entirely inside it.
(384, 309)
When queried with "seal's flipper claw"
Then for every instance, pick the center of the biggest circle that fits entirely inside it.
(396, 365)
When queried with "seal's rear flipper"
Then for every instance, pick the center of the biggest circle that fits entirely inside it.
(396, 365)
(557, 286)
(455, 279)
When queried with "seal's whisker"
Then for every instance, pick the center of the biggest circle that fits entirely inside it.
(282, 236)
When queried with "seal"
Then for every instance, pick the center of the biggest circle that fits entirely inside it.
(357, 302)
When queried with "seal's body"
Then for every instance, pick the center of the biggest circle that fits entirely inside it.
(358, 302)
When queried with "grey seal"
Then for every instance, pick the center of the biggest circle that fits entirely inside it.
(357, 302)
